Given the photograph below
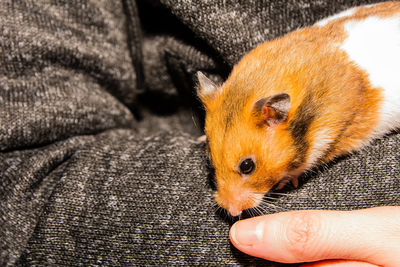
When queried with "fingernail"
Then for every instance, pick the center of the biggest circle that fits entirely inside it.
(247, 233)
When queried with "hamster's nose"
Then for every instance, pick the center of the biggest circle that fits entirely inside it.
(235, 212)
(235, 198)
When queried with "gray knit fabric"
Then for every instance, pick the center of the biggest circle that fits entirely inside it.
(98, 121)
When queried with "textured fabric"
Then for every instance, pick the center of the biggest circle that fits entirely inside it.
(98, 121)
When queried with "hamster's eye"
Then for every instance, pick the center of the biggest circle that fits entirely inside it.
(247, 166)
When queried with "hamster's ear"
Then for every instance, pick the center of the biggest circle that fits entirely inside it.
(272, 110)
(206, 88)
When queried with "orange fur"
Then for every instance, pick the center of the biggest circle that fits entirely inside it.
(307, 65)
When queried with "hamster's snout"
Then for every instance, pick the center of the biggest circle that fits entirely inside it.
(235, 199)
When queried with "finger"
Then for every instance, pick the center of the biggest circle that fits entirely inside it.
(339, 263)
(370, 235)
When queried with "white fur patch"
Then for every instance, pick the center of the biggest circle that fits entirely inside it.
(374, 45)
(342, 14)
(346, 13)
(319, 146)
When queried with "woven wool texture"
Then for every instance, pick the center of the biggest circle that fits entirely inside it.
(98, 121)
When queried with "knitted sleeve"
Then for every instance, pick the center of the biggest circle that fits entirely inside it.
(98, 121)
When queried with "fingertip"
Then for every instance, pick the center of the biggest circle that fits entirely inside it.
(255, 236)
(313, 235)
(232, 235)
(247, 233)
(287, 237)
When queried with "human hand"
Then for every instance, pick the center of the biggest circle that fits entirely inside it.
(367, 237)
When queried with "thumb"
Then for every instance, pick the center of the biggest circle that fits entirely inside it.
(370, 235)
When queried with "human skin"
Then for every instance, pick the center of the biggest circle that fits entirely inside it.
(368, 237)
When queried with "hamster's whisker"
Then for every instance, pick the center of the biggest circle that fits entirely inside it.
(255, 212)
(227, 215)
(278, 194)
(272, 205)
(260, 210)
(218, 209)
(264, 202)
(250, 211)
(215, 208)
(194, 121)
(269, 198)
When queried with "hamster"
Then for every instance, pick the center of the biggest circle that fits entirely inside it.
(301, 100)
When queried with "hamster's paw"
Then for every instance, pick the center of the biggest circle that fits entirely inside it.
(201, 139)
(290, 178)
